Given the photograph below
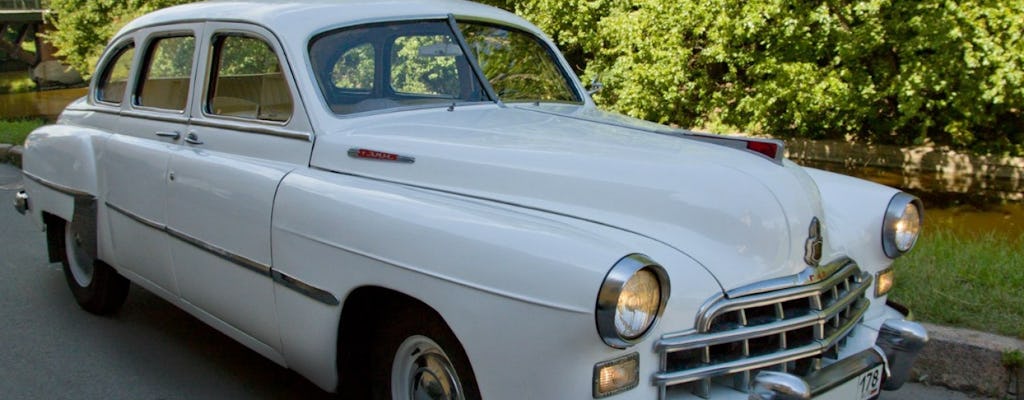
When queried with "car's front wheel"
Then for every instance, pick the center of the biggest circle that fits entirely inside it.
(417, 357)
(96, 286)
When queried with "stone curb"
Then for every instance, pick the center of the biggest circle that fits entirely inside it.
(971, 361)
(11, 154)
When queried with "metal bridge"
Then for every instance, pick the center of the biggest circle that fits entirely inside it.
(21, 21)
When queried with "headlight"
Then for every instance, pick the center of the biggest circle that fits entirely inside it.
(902, 224)
(630, 301)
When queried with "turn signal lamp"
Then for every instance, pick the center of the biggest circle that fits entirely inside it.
(616, 376)
(884, 281)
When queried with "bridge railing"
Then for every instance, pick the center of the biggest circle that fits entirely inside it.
(21, 5)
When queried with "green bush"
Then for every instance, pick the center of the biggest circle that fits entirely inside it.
(886, 71)
(85, 26)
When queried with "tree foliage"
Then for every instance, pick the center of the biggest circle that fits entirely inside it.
(83, 27)
(891, 71)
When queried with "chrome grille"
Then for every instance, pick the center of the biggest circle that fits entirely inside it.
(790, 330)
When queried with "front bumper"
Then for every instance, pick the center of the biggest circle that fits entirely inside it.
(898, 343)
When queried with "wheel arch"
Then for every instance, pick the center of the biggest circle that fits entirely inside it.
(362, 308)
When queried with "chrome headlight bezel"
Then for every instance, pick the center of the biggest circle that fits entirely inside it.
(611, 289)
(894, 214)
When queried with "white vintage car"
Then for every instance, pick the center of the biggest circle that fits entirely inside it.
(419, 200)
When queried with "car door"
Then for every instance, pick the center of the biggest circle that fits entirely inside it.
(246, 134)
(151, 114)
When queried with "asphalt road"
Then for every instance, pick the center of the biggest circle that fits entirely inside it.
(51, 349)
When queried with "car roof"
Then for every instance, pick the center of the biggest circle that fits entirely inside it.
(305, 18)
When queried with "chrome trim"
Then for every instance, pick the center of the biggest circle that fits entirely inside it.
(248, 128)
(634, 357)
(608, 298)
(290, 282)
(893, 212)
(58, 187)
(21, 202)
(217, 251)
(808, 275)
(233, 258)
(746, 364)
(773, 385)
(902, 341)
(720, 304)
(137, 218)
(758, 333)
(151, 114)
(304, 288)
(812, 247)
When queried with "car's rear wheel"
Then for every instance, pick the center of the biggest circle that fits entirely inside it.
(96, 286)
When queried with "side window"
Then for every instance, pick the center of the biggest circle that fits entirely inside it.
(425, 65)
(354, 70)
(114, 79)
(165, 80)
(247, 80)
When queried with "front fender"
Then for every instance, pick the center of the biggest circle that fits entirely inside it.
(515, 286)
(854, 214)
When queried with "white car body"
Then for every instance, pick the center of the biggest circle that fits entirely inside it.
(504, 219)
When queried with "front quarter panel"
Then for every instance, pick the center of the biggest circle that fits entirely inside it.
(518, 288)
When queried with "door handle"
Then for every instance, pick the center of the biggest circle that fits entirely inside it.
(170, 135)
(192, 138)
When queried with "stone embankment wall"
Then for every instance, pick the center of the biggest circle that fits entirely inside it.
(956, 172)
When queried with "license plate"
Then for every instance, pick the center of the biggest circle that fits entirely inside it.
(865, 386)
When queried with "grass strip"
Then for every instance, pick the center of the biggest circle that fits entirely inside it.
(968, 281)
(15, 131)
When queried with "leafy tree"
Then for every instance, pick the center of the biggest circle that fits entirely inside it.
(83, 27)
(893, 71)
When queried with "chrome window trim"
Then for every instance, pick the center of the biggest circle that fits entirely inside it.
(608, 297)
(245, 126)
(155, 114)
(893, 211)
(287, 281)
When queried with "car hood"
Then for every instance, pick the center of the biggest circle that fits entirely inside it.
(743, 216)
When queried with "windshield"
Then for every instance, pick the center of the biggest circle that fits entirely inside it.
(422, 64)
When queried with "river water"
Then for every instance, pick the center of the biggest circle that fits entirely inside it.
(970, 207)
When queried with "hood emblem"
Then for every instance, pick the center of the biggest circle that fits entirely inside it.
(812, 247)
(379, 155)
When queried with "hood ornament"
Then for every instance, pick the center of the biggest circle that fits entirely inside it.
(812, 247)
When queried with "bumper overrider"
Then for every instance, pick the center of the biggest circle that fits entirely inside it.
(898, 344)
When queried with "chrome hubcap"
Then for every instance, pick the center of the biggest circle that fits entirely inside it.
(422, 371)
(79, 261)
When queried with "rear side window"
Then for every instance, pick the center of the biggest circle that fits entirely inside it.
(114, 79)
(247, 81)
(166, 73)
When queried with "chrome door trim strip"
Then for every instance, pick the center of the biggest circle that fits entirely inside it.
(137, 218)
(287, 281)
(239, 260)
(304, 288)
(58, 187)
